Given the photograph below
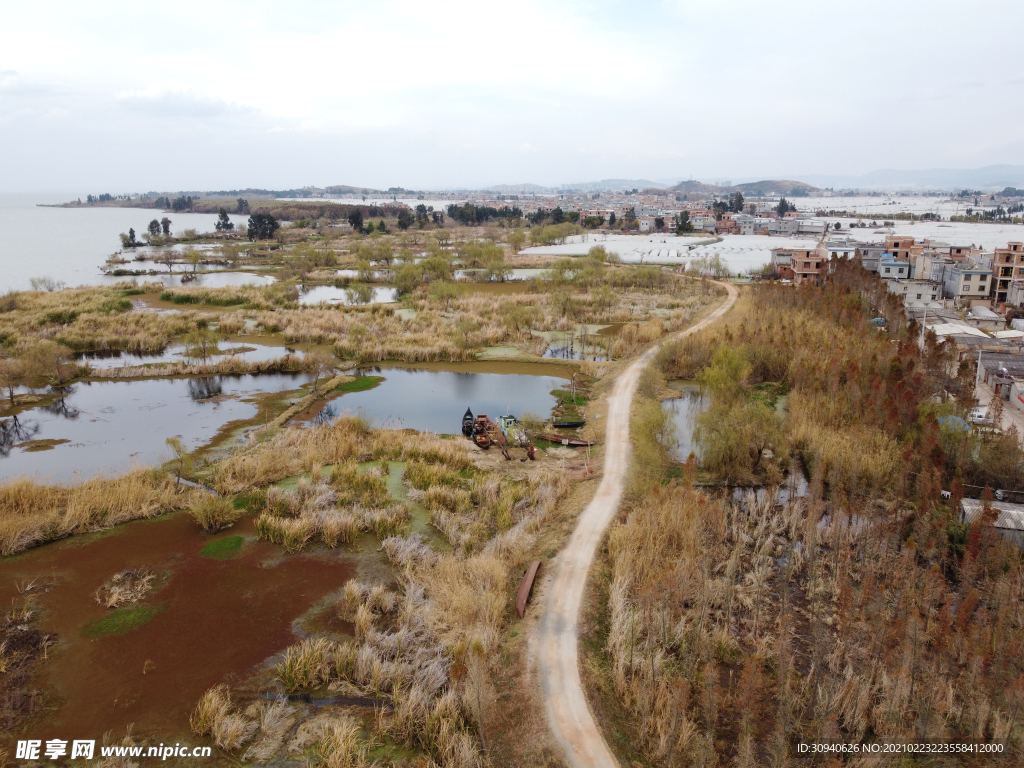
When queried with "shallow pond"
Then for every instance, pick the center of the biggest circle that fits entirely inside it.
(203, 279)
(682, 414)
(213, 620)
(175, 353)
(435, 400)
(584, 342)
(513, 274)
(328, 294)
(108, 426)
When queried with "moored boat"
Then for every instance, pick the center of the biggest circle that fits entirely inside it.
(568, 423)
(467, 423)
(574, 442)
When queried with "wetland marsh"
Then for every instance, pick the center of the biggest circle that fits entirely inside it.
(361, 548)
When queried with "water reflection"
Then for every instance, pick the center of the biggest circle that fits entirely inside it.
(327, 416)
(204, 387)
(360, 294)
(175, 353)
(14, 431)
(60, 406)
(434, 401)
(682, 414)
(111, 425)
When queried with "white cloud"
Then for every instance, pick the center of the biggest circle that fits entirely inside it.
(179, 103)
(401, 92)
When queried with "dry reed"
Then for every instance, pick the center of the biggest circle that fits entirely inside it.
(32, 513)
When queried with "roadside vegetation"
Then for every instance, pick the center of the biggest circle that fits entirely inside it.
(729, 627)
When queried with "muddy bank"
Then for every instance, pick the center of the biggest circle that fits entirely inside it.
(213, 619)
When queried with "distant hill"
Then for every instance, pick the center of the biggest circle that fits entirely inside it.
(517, 189)
(990, 177)
(765, 188)
(338, 189)
(608, 185)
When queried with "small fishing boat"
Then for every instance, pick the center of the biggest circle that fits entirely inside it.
(568, 424)
(467, 423)
(574, 442)
(484, 431)
(511, 430)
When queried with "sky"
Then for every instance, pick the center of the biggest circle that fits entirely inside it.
(128, 96)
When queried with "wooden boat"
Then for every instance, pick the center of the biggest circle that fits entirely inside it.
(568, 424)
(524, 588)
(574, 442)
(486, 432)
(467, 423)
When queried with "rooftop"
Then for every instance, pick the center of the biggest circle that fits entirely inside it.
(1011, 516)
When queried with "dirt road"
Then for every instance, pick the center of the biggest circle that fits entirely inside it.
(568, 713)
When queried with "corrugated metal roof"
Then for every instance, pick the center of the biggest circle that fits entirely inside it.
(957, 329)
(1011, 516)
(985, 313)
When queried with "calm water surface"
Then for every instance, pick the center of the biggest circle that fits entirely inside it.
(111, 425)
(434, 401)
(70, 244)
(175, 353)
(682, 413)
(328, 294)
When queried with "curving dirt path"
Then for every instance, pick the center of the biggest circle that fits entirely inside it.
(568, 712)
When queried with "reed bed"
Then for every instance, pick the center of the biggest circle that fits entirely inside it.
(412, 645)
(91, 320)
(248, 296)
(214, 513)
(32, 513)
(333, 511)
(291, 452)
(454, 329)
(824, 625)
(229, 365)
(865, 611)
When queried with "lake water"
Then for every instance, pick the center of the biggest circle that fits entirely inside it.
(110, 425)
(434, 401)
(70, 244)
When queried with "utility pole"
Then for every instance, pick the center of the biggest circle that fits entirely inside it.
(977, 376)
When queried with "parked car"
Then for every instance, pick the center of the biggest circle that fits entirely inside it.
(979, 415)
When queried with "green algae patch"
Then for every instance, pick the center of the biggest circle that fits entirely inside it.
(33, 446)
(120, 621)
(223, 549)
(360, 384)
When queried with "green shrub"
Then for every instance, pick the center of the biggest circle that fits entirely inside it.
(60, 316)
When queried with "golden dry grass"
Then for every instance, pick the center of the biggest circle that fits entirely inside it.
(32, 513)
(214, 514)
